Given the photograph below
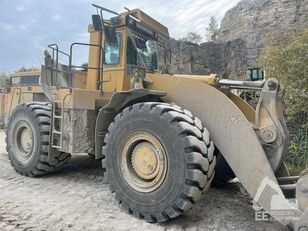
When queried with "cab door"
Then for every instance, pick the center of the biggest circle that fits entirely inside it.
(114, 65)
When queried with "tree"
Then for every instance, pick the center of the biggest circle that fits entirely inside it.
(25, 69)
(287, 61)
(212, 30)
(192, 37)
(3, 79)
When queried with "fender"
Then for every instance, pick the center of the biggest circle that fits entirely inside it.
(117, 103)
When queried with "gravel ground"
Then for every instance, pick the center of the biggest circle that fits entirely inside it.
(78, 198)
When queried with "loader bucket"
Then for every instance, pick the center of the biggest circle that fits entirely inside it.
(240, 141)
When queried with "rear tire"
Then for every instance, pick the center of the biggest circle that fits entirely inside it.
(27, 138)
(159, 160)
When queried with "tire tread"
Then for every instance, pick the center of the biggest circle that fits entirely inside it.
(42, 114)
(200, 163)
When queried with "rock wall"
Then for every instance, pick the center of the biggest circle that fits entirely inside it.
(256, 20)
(242, 35)
(225, 59)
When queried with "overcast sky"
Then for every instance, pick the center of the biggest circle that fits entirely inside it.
(28, 26)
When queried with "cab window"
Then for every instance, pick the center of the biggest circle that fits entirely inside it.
(145, 53)
(112, 53)
(131, 52)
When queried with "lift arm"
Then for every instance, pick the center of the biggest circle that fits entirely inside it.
(236, 138)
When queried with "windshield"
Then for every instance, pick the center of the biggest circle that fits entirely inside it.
(142, 52)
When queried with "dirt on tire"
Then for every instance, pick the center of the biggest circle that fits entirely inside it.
(36, 116)
(77, 198)
(186, 142)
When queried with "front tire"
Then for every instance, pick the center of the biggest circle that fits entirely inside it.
(159, 160)
(27, 138)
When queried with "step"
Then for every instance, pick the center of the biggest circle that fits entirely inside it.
(55, 146)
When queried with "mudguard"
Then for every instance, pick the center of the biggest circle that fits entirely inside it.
(118, 102)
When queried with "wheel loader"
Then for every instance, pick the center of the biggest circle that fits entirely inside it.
(156, 133)
(22, 86)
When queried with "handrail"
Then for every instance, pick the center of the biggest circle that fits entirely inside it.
(105, 9)
(55, 49)
(55, 66)
(100, 69)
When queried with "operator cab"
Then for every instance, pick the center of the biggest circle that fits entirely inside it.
(130, 41)
(142, 36)
(122, 49)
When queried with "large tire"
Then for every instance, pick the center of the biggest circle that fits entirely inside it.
(184, 156)
(223, 171)
(27, 138)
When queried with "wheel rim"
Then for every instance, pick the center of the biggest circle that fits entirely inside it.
(143, 161)
(23, 141)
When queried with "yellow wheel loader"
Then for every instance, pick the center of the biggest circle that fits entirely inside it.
(22, 86)
(155, 133)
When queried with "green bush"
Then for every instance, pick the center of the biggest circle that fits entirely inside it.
(287, 60)
(297, 158)
(3, 80)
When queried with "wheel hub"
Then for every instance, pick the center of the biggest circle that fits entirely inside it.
(23, 141)
(26, 140)
(144, 160)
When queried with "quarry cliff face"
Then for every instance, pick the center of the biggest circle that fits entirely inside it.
(224, 58)
(242, 36)
(255, 21)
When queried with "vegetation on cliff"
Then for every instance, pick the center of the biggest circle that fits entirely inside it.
(286, 58)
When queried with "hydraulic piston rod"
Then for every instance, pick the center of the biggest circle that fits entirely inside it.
(215, 80)
(241, 84)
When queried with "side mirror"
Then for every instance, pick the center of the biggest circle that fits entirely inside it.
(111, 36)
(97, 22)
